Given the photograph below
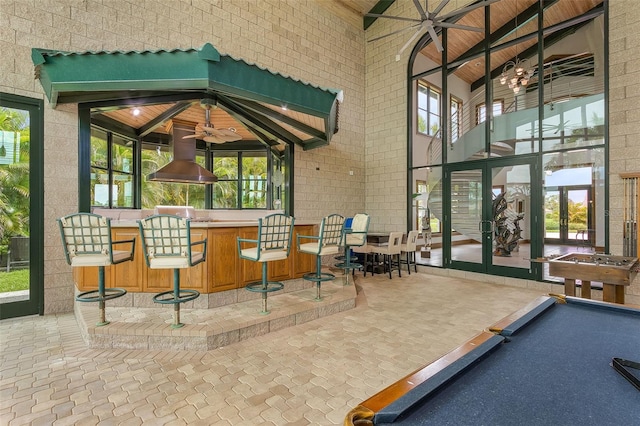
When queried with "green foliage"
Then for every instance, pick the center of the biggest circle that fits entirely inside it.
(14, 280)
(14, 179)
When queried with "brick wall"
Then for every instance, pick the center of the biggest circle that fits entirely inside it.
(624, 115)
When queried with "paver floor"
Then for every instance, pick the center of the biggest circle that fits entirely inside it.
(311, 374)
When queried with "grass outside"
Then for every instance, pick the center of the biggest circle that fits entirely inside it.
(14, 281)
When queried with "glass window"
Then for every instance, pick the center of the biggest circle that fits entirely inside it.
(225, 191)
(242, 180)
(456, 118)
(481, 110)
(112, 178)
(428, 109)
(254, 180)
(163, 193)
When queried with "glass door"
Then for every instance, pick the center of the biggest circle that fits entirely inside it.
(21, 200)
(490, 228)
(568, 215)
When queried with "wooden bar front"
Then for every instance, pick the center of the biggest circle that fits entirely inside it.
(222, 270)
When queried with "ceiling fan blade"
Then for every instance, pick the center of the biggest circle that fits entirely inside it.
(207, 128)
(438, 9)
(230, 135)
(459, 27)
(421, 11)
(394, 32)
(464, 10)
(413, 37)
(398, 18)
(434, 38)
(213, 139)
(190, 136)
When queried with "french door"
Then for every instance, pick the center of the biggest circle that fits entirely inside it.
(491, 225)
(569, 215)
(21, 206)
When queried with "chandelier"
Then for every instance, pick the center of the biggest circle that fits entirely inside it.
(516, 74)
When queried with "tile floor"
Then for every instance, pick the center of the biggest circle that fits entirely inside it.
(309, 374)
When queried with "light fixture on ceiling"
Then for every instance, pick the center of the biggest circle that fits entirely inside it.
(136, 112)
(516, 74)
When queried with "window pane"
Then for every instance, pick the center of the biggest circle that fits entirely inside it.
(225, 195)
(122, 190)
(99, 187)
(122, 154)
(225, 165)
(254, 181)
(99, 148)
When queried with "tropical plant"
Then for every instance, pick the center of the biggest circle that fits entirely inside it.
(14, 177)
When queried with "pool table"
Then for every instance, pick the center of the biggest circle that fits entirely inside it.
(549, 363)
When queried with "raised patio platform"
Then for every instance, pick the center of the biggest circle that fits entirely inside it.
(206, 329)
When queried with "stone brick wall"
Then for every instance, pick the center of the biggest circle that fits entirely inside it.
(624, 116)
(298, 38)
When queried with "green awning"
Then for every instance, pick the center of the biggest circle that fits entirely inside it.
(74, 77)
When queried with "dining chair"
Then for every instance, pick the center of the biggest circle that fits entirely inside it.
(86, 238)
(389, 251)
(409, 247)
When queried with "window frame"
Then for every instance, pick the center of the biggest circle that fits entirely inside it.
(430, 88)
(482, 106)
(111, 170)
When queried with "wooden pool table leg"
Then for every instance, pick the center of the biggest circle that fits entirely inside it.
(569, 286)
(585, 290)
(613, 293)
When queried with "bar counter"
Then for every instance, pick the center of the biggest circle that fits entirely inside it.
(221, 271)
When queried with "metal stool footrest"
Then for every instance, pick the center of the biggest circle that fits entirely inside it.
(260, 288)
(184, 295)
(94, 295)
(345, 265)
(323, 276)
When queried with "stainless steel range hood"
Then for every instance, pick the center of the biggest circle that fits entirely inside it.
(183, 168)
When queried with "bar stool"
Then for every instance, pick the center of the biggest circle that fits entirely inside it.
(355, 236)
(327, 242)
(86, 239)
(273, 243)
(166, 242)
(410, 247)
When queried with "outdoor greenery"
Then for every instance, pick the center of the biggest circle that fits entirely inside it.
(14, 280)
(577, 213)
(14, 174)
(225, 192)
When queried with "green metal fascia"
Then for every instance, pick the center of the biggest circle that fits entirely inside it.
(237, 78)
(179, 69)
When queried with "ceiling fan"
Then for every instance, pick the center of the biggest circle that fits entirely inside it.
(430, 21)
(208, 133)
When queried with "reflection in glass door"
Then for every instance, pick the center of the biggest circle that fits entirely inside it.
(568, 215)
(20, 206)
(467, 228)
(491, 219)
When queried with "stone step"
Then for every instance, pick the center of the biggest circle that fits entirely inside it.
(149, 328)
